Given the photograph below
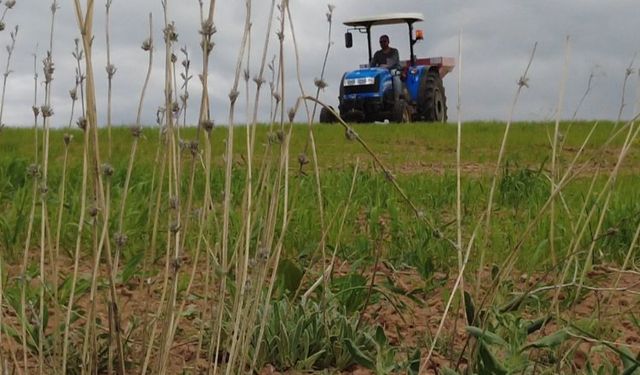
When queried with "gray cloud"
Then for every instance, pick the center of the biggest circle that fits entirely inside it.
(497, 37)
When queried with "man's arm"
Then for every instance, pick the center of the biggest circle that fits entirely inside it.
(375, 61)
(393, 61)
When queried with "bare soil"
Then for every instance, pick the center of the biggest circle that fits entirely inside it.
(607, 302)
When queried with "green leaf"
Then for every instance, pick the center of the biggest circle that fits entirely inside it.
(308, 362)
(132, 266)
(486, 336)
(631, 365)
(470, 309)
(550, 341)
(491, 366)
(358, 355)
(381, 338)
(290, 275)
(537, 324)
(448, 371)
(414, 363)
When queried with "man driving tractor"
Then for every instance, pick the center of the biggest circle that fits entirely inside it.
(388, 57)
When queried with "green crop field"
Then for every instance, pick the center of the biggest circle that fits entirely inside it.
(386, 235)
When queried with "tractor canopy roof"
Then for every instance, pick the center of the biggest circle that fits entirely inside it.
(385, 19)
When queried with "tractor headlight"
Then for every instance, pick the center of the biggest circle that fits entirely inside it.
(359, 81)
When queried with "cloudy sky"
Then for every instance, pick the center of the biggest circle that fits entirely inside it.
(497, 39)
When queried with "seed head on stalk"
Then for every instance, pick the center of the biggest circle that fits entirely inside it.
(136, 131)
(207, 125)
(82, 123)
(147, 45)
(47, 111)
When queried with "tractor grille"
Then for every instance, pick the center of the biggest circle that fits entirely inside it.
(362, 89)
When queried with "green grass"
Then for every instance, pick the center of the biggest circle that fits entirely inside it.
(421, 155)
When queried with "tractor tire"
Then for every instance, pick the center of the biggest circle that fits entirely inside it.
(432, 100)
(401, 112)
(327, 117)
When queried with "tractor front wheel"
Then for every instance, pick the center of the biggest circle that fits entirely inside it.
(432, 99)
(401, 112)
(326, 116)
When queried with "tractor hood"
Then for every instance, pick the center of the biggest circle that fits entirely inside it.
(363, 77)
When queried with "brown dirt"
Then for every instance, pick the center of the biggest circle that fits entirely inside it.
(412, 325)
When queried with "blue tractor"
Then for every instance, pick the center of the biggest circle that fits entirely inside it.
(371, 94)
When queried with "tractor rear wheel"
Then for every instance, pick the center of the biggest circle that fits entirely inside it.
(401, 112)
(326, 116)
(431, 98)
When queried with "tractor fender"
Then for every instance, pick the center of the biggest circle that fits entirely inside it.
(413, 81)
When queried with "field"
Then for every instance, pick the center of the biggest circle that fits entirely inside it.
(187, 247)
(172, 277)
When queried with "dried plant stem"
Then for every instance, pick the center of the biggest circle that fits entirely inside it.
(136, 130)
(175, 225)
(25, 264)
(623, 104)
(76, 256)
(238, 306)
(6, 73)
(34, 107)
(85, 24)
(149, 66)
(554, 154)
(206, 31)
(314, 150)
(111, 71)
(13, 35)
(522, 83)
(47, 112)
(324, 62)
(56, 252)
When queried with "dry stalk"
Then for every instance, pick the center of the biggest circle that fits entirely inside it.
(207, 29)
(242, 271)
(555, 152)
(13, 35)
(10, 49)
(111, 71)
(121, 237)
(522, 83)
(33, 172)
(47, 112)
(172, 264)
(9, 4)
(56, 253)
(627, 73)
(34, 107)
(186, 77)
(311, 138)
(85, 25)
(76, 256)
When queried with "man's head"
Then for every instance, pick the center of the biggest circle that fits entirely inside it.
(384, 41)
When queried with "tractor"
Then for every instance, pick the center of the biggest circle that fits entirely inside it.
(369, 94)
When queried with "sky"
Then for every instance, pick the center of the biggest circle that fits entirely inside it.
(497, 38)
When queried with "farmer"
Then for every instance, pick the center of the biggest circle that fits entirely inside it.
(388, 57)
